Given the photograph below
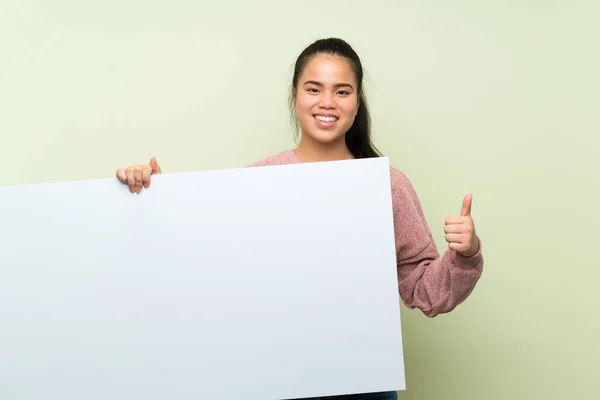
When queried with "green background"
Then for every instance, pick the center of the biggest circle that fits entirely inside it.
(499, 99)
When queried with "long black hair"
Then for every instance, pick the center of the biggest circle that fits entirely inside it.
(358, 137)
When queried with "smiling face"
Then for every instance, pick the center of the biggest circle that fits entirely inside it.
(326, 99)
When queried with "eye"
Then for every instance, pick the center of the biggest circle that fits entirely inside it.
(312, 90)
(344, 92)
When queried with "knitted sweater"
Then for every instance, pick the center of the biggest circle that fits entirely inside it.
(432, 283)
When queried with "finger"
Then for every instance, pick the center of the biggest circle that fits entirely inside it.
(137, 172)
(455, 238)
(122, 175)
(466, 205)
(454, 228)
(456, 220)
(155, 167)
(458, 247)
(130, 179)
(146, 173)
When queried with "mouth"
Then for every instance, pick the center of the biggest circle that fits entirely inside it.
(326, 118)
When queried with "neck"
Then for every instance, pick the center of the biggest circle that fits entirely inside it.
(310, 151)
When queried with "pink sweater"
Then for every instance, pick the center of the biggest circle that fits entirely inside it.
(426, 281)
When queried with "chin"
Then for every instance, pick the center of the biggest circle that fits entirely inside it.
(327, 140)
(325, 137)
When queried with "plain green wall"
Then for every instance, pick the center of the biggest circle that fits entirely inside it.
(499, 99)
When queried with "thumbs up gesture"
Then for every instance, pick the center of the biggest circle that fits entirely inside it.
(460, 231)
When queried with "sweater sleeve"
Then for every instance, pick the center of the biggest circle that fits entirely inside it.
(432, 283)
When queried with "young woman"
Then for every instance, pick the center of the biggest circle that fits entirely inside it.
(331, 111)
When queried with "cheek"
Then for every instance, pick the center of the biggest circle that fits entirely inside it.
(350, 108)
(304, 104)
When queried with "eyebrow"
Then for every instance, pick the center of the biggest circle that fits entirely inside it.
(320, 84)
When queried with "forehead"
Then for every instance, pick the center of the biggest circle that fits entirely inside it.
(327, 68)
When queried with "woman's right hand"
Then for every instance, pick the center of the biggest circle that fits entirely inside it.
(138, 176)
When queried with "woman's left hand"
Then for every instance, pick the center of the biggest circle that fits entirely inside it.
(460, 231)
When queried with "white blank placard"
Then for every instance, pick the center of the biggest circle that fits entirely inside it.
(254, 283)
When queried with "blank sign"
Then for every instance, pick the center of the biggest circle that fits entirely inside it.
(256, 283)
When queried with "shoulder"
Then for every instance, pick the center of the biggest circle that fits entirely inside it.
(404, 196)
(281, 158)
(400, 183)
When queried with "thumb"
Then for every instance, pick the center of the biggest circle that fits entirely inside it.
(466, 206)
(122, 175)
(155, 166)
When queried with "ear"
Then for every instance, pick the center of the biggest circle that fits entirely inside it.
(294, 97)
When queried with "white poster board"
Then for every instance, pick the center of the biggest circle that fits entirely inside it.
(254, 283)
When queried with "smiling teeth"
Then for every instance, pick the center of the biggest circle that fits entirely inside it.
(325, 119)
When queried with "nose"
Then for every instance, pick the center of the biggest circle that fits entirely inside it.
(327, 100)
